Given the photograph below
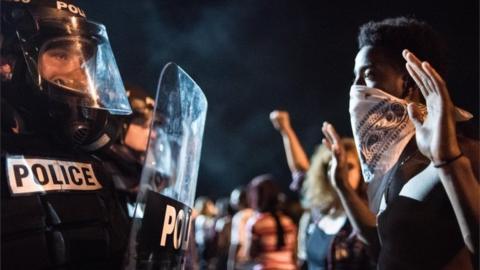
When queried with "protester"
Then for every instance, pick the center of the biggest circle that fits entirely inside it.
(223, 232)
(271, 235)
(237, 256)
(205, 231)
(422, 182)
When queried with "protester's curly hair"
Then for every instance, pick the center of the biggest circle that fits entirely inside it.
(396, 34)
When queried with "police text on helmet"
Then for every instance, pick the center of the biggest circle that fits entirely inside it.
(73, 9)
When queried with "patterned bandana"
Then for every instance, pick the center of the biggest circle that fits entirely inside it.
(381, 128)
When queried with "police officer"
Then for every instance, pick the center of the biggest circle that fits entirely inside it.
(61, 100)
(126, 155)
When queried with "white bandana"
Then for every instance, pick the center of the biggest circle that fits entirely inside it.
(381, 128)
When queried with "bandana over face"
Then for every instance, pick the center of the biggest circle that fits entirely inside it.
(381, 129)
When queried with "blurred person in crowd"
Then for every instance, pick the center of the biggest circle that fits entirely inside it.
(291, 205)
(205, 231)
(237, 256)
(271, 235)
(223, 232)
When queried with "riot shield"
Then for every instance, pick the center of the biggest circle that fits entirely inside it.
(161, 223)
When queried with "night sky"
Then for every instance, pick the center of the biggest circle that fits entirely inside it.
(251, 57)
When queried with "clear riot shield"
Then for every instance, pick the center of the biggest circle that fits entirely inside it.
(161, 224)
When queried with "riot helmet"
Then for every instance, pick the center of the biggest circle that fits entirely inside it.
(63, 75)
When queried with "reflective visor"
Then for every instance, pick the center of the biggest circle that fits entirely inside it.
(74, 56)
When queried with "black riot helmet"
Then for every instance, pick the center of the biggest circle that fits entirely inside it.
(62, 75)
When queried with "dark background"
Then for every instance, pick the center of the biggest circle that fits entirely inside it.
(252, 56)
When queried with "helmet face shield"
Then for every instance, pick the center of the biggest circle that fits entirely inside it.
(74, 59)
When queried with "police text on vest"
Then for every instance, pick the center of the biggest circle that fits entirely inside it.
(37, 175)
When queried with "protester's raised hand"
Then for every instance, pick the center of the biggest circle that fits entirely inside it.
(435, 134)
(280, 120)
(338, 173)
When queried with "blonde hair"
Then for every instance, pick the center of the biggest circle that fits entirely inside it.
(317, 190)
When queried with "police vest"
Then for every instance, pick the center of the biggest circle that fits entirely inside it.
(59, 209)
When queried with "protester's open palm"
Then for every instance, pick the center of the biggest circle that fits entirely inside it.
(338, 173)
(435, 134)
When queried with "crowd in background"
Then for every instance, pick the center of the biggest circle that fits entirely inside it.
(248, 227)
